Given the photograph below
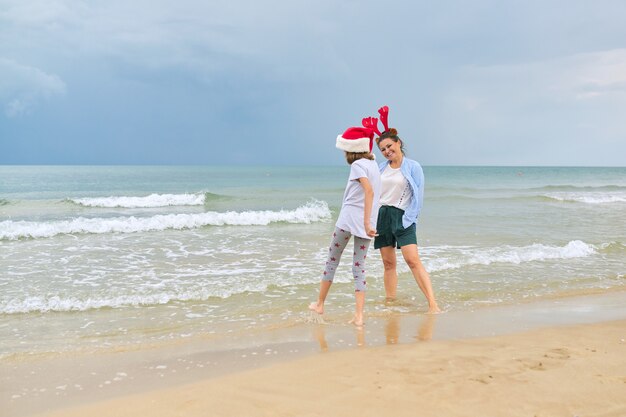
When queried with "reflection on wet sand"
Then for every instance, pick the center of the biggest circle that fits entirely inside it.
(320, 335)
(427, 326)
(423, 331)
(392, 329)
(360, 336)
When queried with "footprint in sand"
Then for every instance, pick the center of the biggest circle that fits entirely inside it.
(550, 358)
(485, 379)
(559, 353)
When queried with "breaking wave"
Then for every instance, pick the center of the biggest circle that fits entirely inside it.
(588, 197)
(150, 201)
(509, 254)
(313, 211)
(62, 304)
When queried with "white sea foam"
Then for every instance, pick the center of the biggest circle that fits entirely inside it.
(135, 298)
(57, 303)
(152, 200)
(589, 197)
(311, 212)
(465, 256)
(255, 280)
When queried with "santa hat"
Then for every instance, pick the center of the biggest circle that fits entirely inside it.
(356, 139)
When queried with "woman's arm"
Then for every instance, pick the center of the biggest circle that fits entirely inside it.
(418, 178)
(369, 200)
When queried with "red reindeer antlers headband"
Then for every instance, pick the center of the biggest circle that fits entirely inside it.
(384, 115)
(372, 122)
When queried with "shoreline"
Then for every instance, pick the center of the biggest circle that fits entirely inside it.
(573, 370)
(42, 385)
(377, 310)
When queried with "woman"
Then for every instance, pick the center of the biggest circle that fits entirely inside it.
(401, 201)
(357, 216)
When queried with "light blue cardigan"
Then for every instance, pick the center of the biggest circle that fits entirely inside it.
(414, 174)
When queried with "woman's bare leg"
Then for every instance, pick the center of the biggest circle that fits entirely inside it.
(388, 254)
(412, 258)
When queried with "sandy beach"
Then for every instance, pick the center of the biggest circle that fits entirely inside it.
(572, 365)
(564, 371)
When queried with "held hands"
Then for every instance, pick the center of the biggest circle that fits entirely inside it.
(370, 231)
(367, 207)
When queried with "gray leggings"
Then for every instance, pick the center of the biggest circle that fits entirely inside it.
(337, 245)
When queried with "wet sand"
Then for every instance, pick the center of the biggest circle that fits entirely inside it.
(550, 358)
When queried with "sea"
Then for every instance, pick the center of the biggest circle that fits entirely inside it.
(109, 257)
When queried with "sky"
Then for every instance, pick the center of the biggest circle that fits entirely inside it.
(253, 82)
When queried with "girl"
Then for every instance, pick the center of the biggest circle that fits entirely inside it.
(357, 218)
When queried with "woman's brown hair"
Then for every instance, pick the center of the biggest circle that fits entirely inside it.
(393, 135)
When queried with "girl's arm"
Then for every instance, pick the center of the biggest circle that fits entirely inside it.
(369, 200)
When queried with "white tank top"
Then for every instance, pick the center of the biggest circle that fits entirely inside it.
(396, 190)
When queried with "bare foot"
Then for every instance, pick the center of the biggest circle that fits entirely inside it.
(316, 307)
(434, 310)
(357, 321)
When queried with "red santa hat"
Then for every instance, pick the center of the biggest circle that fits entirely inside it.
(356, 139)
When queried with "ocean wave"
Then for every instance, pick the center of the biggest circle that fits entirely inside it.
(612, 247)
(588, 197)
(508, 254)
(4, 202)
(563, 197)
(313, 211)
(541, 189)
(150, 201)
(578, 188)
(66, 304)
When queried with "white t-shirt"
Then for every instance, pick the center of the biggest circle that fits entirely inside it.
(396, 189)
(353, 205)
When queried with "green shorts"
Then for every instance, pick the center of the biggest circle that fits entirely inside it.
(390, 230)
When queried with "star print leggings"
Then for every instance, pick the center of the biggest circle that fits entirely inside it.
(337, 246)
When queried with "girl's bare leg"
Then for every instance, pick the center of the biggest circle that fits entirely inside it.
(318, 306)
(361, 246)
(358, 311)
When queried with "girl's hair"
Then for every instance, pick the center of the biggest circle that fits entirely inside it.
(355, 156)
(393, 135)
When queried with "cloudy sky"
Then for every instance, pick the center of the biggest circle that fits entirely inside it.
(273, 82)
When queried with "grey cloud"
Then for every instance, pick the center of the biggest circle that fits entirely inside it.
(464, 81)
(517, 113)
(199, 38)
(22, 87)
(564, 80)
(37, 13)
